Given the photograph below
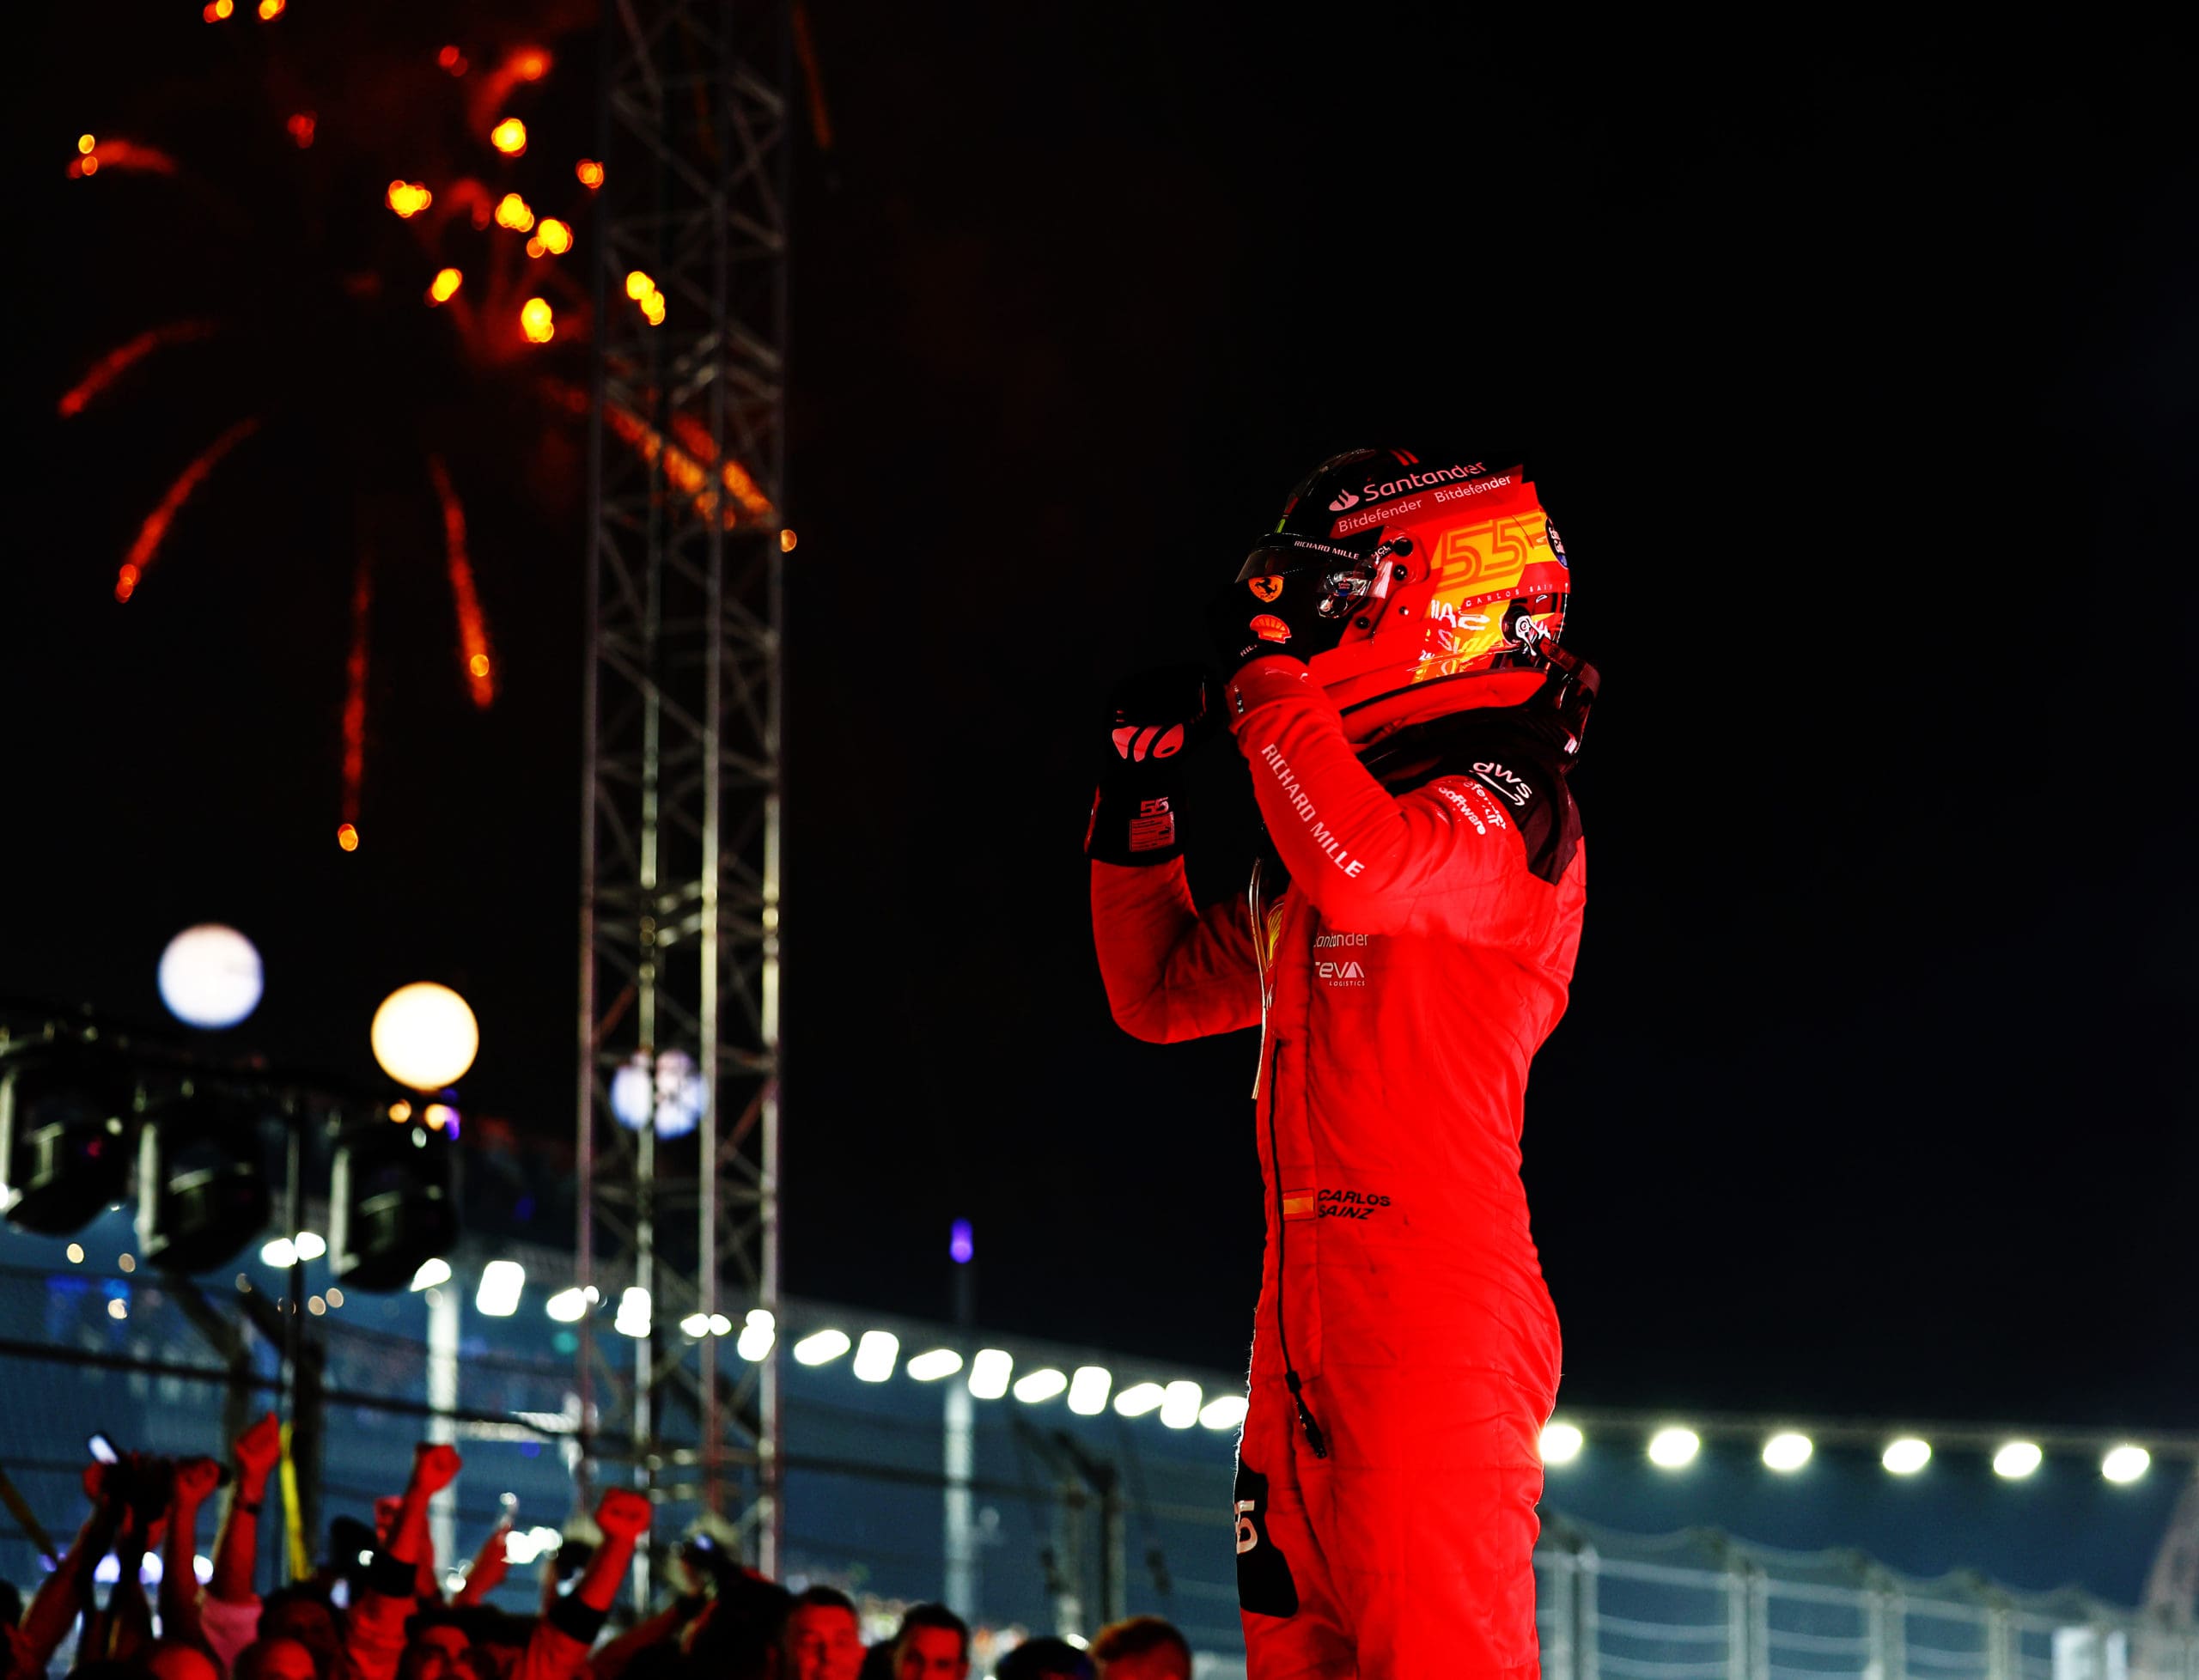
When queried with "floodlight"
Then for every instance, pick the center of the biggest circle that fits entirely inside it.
(929, 1367)
(203, 1192)
(501, 1283)
(2017, 1459)
(989, 1372)
(1087, 1389)
(821, 1347)
(1139, 1398)
(1787, 1450)
(2125, 1463)
(1179, 1405)
(1674, 1448)
(757, 1332)
(390, 1202)
(64, 1156)
(674, 1097)
(1224, 1411)
(1907, 1455)
(1561, 1443)
(876, 1355)
(567, 1307)
(1044, 1384)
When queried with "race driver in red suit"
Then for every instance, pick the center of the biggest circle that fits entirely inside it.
(1393, 679)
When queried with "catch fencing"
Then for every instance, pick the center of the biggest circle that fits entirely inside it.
(1703, 1606)
(1073, 1518)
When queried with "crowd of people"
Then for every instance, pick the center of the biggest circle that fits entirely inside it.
(378, 1610)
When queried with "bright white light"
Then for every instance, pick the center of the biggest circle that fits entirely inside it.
(567, 1307)
(1561, 1443)
(2017, 1459)
(210, 976)
(528, 1545)
(2126, 1464)
(502, 1281)
(676, 1096)
(929, 1367)
(433, 1274)
(1087, 1389)
(1789, 1450)
(697, 1325)
(202, 1566)
(1224, 1411)
(988, 1373)
(1906, 1456)
(1044, 1384)
(876, 1355)
(1674, 1449)
(425, 1036)
(1179, 1405)
(278, 1253)
(309, 1246)
(720, 1325)
(634, 1310)
(1139, 1398)
(819, 1347)
(756, 1333)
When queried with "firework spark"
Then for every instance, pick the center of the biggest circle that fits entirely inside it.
(355, 700)
(124, 356)
(147, 548)
(124, 154)
(472, 628)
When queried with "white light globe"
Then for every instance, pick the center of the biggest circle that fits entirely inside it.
(210, 976)
(675, 1097)
(425, 1037)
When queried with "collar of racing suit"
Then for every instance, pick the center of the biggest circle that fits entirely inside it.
(1414, 757)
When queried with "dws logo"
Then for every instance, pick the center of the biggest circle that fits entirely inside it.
(1507, 784)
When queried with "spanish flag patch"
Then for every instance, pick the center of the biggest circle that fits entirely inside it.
(1300, 1204)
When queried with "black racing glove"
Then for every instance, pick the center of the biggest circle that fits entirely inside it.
(1152, 719)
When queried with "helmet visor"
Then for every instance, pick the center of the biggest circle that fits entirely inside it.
(1284, 556)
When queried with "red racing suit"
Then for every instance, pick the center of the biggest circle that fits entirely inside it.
(1403, 979)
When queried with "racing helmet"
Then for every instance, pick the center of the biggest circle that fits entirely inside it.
(1444, 582)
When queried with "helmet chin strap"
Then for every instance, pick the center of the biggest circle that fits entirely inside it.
(1572, 691)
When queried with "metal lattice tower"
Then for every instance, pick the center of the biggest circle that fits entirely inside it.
(682, 777)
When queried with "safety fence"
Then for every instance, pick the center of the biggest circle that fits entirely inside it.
(1703, 1606)
(1071, 1520)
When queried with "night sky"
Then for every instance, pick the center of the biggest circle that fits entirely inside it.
(1860, 378)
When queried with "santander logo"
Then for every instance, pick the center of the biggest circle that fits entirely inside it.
(1344, 499)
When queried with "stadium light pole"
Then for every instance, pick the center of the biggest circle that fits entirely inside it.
(960, 1537)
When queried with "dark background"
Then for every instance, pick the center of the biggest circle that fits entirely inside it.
(1858, 374)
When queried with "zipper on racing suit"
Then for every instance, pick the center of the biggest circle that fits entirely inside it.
(1268, 1074)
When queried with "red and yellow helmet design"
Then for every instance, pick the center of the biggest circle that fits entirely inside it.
(1457, 581)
